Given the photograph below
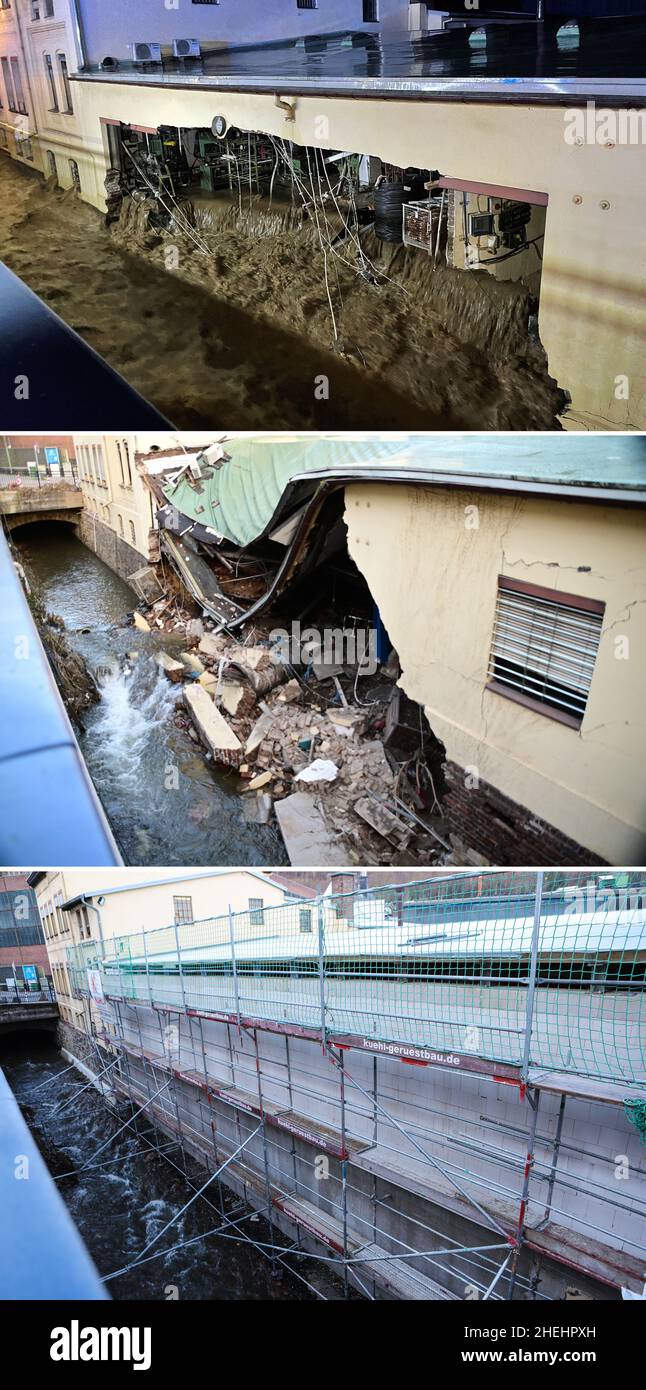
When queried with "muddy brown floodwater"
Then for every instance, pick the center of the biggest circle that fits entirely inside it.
(240, 331)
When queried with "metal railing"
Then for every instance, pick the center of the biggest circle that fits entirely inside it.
(43, 1256)
(526, 969)
(27, 996)
(41, 766)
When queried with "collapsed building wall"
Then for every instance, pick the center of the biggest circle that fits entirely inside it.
(592, 274)
(432, 560)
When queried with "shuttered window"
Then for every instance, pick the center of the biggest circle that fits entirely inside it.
(544, 648)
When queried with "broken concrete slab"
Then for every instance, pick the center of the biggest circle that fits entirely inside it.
(261, 780)
(326, 670)
(290, 692)
(307, 839)
(383, 821)
(192, 662)
(349, 722)
(258, 733)
(171, 668)
(220, 739)
(230, 694)
(210, 645)
(195, 628)
(209, 682)
(140, 622)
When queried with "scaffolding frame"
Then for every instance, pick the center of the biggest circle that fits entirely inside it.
(494, 1269)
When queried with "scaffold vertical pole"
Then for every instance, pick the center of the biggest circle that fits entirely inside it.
(150, 988)
(264, 1149)
(233, 964)
(533, 970)
(534, 1101)
(321, 936)
(179, 967)
(344, 1186)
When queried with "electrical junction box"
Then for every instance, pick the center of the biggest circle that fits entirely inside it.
(480, 223)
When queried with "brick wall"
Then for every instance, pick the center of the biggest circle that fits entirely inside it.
(504, 832)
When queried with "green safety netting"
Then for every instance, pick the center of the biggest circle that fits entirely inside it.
(471, 964)
(636, 1112)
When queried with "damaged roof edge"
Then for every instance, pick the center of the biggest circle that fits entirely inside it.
(252, 491)
(330, 480)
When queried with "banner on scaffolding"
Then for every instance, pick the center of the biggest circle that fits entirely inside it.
(95, 986)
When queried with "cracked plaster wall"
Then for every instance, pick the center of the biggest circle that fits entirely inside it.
(433, 573)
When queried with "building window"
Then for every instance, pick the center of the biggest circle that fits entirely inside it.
(305, 919)
(49, 73)
(120, 520)
(370, 11)
(183, 910)
(51, 164)
(306, 4)
(544, 649)
(42, 7)
(126, 452)
(21, 104)
(132, 532)
(24, 147)
(74, 175)
(256, 912)
(62, 68)
(8, 84)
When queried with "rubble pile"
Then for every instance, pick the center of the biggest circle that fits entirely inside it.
(305, 747)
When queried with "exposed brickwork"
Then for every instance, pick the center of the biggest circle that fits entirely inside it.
(23, 955)
(502, 830)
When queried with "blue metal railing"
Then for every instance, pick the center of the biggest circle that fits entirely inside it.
(51, 812)
(66, 379)
(42, 1255)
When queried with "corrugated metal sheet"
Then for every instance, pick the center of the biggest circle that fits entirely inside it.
(243, 497)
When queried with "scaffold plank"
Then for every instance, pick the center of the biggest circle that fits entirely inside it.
(400, 1279)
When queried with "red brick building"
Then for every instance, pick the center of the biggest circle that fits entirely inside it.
(22, 942)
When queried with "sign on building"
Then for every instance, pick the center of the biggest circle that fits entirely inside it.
(95, 986)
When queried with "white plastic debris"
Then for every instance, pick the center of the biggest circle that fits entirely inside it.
(321, 770)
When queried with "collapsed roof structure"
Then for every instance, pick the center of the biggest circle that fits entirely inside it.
(265, 495)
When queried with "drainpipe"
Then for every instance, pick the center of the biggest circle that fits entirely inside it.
(77, 24)
(87, 903)
(27, 71)
(95, 910)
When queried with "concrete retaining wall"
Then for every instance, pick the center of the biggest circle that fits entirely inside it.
(111, 548)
